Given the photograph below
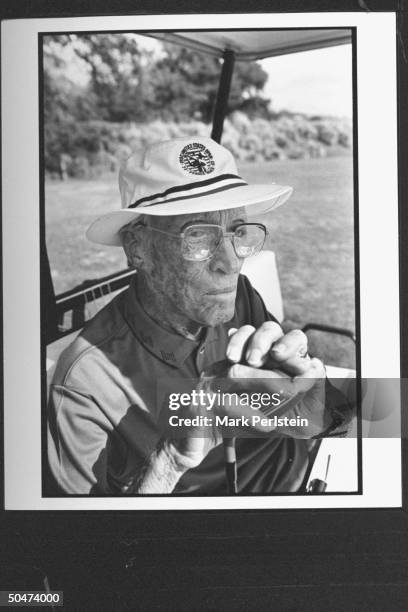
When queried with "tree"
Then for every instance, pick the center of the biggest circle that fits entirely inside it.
(92, 81)
(186, 82)
(64, 102)
(119, 75)
(89, 79)
(126, 83)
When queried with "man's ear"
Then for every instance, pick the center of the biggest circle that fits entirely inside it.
(132, 244)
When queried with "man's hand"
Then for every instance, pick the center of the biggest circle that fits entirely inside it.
(188, 452)
(264, 361)
(277, 363)
(270, 348)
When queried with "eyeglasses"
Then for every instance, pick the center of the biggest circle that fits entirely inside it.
(200, 242)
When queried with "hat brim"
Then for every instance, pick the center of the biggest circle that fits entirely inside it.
(259, 198)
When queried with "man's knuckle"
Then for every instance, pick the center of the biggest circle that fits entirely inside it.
(234, 371)
(317, 365)
(241, 335)
(299, 335)
(242, 332)
(271, 326)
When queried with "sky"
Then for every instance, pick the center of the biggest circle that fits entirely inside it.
(312, 82)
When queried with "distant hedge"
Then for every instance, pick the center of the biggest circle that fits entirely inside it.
(88, 149)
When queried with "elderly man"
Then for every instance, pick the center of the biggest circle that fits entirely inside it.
(184, 227)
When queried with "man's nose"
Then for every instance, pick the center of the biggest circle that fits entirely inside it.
(225, 259)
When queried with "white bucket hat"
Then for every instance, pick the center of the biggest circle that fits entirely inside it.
(182, 176)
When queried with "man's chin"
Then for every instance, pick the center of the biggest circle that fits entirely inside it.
(218, 316)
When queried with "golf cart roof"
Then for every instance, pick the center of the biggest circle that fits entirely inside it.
(249, 45)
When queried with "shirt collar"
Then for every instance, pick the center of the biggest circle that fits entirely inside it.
(167, 345)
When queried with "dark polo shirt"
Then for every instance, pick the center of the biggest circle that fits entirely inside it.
(104, 414)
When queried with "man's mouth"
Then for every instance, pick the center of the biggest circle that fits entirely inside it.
(223, 291)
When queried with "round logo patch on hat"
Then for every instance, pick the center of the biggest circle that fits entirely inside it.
(195, 158)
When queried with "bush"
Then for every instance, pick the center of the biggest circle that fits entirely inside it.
(327, 134)
(281, 141)
(344, 138)
(297, 152)
(89, 148)
(241, 122)
(316, 149)
(79, 167)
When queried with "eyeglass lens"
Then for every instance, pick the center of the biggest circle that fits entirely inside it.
(201, 241)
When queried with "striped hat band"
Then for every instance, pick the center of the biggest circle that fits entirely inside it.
(188, 191)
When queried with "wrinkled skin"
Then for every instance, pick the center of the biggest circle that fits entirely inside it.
(179, 293)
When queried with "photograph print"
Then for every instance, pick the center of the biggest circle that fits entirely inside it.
(199, 264)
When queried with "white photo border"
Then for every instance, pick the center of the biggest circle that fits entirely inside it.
(378, 251)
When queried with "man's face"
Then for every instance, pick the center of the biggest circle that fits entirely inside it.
(203, 291)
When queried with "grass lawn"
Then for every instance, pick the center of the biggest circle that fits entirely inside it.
(312, 235)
